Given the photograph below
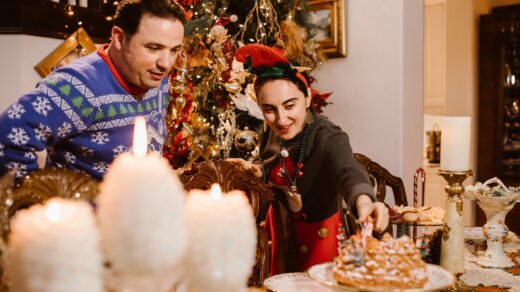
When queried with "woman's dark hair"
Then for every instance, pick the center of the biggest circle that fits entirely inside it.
(129, 13)
(260, 81)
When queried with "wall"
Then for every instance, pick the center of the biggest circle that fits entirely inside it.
(378, 87)
(18, 56)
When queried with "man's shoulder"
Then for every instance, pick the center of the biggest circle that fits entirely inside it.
(82, 74)
(86, 67)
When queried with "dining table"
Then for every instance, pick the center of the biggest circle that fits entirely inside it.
(473, 277)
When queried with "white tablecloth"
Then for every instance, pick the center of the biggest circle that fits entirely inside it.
(476, 274)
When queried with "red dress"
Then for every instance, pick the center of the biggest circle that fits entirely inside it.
(316, 242)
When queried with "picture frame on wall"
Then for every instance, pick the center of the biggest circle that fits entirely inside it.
(327, 26)
(74, 47)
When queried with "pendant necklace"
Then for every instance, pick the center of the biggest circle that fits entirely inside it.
(284, 172)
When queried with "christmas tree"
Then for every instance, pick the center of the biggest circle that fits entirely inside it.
(213, 112)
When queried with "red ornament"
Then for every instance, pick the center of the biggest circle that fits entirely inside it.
(300, 173)
(299, 165)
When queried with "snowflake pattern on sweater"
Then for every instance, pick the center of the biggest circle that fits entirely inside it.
(82, 116)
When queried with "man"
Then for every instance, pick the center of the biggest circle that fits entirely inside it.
(83, 113)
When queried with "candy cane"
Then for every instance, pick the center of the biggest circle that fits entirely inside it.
(418, 172)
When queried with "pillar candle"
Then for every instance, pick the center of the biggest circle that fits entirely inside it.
(55, 248)
(222, 235)
(455, 143)
(141, 218)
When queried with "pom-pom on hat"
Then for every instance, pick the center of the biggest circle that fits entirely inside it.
(265, 61)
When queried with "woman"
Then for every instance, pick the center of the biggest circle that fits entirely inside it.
(310, 156)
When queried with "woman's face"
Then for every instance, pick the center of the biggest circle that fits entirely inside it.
(284, 107)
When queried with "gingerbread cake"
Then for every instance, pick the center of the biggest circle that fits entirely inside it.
(385, 263)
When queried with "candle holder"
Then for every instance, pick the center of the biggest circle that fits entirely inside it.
(452, 250)
(496, 202)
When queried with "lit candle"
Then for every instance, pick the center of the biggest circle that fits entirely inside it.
(141, 218)
(55, 247)
(455, 143)
(222, 236)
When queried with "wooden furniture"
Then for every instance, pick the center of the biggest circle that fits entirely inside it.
(380, 178)
(499, 102)
(36, 188)
(203, 175)
(41, 185)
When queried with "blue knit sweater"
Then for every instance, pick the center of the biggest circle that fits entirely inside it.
(82, 116)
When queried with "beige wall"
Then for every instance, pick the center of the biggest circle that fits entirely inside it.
(18, 55)
(378, 87)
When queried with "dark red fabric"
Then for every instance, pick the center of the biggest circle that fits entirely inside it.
(262, 55)
(320, 249)
(282, 180)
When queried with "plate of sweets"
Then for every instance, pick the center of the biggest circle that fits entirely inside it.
(431, 216)
(365, 263)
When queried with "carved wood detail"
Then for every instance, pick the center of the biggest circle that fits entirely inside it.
(230, 177)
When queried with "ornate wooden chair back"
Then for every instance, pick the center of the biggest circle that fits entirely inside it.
(380, 178)
(36, 188)
(230, 177)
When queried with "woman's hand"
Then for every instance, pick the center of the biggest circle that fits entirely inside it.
(246, 166)
(369, 211)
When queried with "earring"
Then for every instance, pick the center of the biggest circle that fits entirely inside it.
(308, 117)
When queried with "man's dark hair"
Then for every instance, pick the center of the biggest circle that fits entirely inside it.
(129, 12)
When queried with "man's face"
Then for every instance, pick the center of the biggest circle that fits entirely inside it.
(149, 55)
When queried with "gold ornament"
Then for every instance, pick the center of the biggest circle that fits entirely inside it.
(246, 140)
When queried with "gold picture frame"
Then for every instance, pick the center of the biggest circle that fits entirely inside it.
(327, 20)
(76, 45)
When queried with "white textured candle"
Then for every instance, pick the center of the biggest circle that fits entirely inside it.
(55, 248)
(142, 219)
(455, 143)
(222, 236)
(141, 216)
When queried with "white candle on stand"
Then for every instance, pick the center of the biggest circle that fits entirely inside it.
(55, 248)
(141, 217)
(222, 235)
(455, 143)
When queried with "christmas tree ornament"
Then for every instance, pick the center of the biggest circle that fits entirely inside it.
(246, 140)
(212, 96)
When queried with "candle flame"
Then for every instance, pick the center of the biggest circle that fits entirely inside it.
(140, 139)
(53, 212)
(216, 193)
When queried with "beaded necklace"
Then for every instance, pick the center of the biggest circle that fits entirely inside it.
(284, 172)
